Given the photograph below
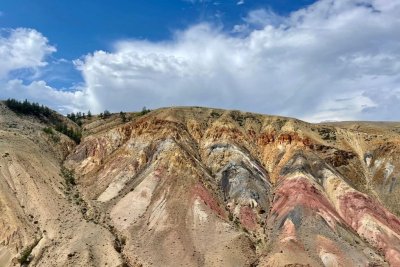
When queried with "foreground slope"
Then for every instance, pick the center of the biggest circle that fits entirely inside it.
(37, 214)
(202, 187)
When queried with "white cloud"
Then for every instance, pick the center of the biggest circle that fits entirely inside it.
(299, 67)
(39, 91)
(335, 60)
(240, 2)
(23, 52)
(22, 49)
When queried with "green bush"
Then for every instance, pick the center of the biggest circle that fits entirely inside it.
(106, 114)
(70, 132)
(51, 133)
(144, 111)
(68, 176)
(123, 116)
(26, 253)
(215, 114)
(48, 130)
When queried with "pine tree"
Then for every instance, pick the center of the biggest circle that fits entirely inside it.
(123, 116)
(106, 114)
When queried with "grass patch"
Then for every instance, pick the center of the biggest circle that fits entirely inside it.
(52, 134)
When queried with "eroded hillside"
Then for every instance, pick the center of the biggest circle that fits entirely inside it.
(200, 187)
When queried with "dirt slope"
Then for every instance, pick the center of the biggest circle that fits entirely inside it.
(200, 187)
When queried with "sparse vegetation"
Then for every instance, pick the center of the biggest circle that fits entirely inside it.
(52, 134)
(72, 192)
(70, 132)
(144, 111)
(119, 244)
(238, 117)
(215, 114)
(68, 176)
(48, 130)
(46, 115)
(279, 123)
(25, 257)
(106, 114)
(77, 117)
(123, 116)
(327, 134)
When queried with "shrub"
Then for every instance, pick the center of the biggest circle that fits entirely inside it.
(68, 176)
(25, 257)
(123, 116)
(70, 132)
(48, 130)
(106, 114)
(77, 118)
(144, 111)
(51, 133)
(215, 114)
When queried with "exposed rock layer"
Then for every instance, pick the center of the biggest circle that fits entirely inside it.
(200, 187)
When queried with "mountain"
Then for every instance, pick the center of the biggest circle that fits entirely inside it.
(199, 187)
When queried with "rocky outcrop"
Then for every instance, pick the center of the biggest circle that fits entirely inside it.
(201, 187)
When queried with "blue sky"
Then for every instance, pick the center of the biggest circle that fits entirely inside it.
(78, 27)
(306, 59)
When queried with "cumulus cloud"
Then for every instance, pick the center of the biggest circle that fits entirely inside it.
(303, 66)
(23, 53)
(40, 91)
(334, 60)
(22, 49)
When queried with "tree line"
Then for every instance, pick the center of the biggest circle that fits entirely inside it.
(79, 116)
(44, 114)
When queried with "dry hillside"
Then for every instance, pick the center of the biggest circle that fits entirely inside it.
(199, 187)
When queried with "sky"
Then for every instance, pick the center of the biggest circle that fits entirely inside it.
(313, 60)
